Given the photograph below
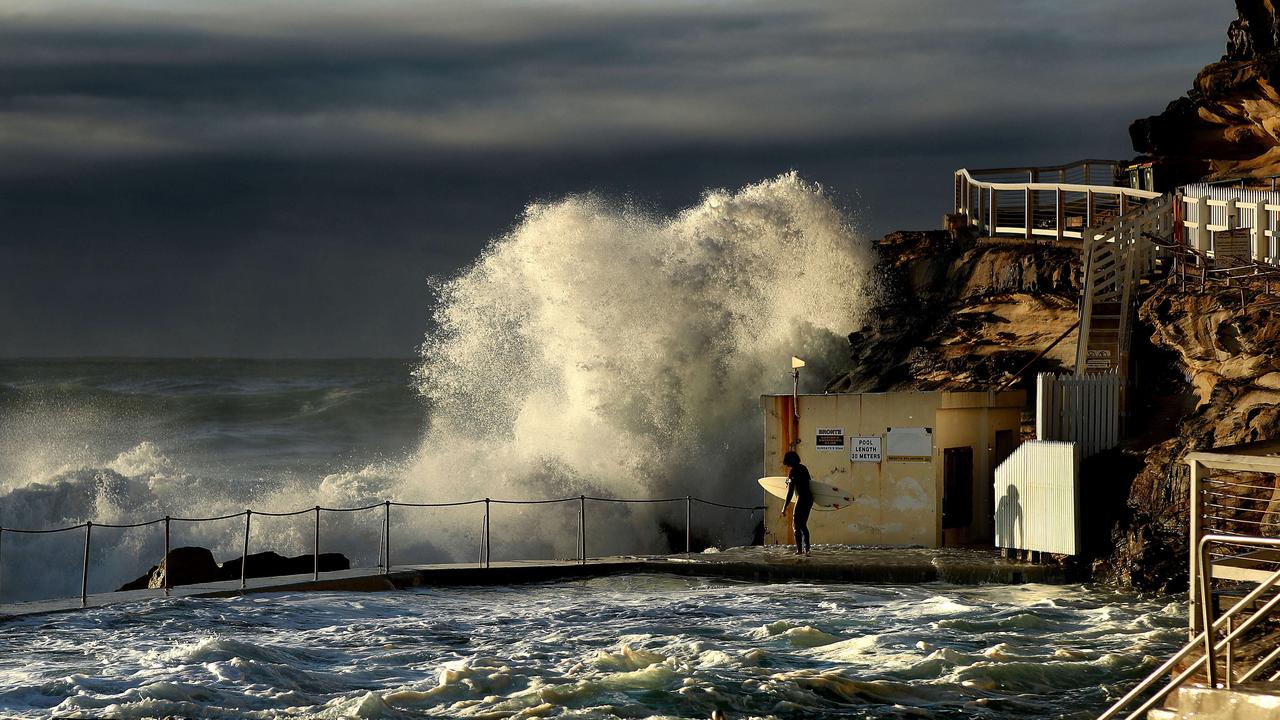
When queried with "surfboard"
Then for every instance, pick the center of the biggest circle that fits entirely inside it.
(825, 495)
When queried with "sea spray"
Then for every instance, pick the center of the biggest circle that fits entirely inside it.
(599, 349)
(595, 349)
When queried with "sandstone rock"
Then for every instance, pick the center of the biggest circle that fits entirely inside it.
(1228, 124)
(1230, 357)
(963, 314)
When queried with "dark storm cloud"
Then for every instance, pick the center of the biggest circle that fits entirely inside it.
(279, 178)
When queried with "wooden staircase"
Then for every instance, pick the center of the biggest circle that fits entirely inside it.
(1118, 257)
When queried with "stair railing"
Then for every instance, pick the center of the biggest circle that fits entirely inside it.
(1205, 639)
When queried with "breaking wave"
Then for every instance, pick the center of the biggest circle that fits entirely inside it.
(600, 349)
(594, 349)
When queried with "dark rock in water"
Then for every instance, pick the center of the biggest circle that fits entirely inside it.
(191, 565)
(183, 566)
(270, 564)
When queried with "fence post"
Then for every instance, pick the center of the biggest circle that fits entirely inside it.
(993, 205)
(165, 562)
(1195, 508)
(582, 528)
(688, 524)
(1029, 211)
(84, 575)
(244, 554)
(386, 535)
(315, 548)
(486, 533)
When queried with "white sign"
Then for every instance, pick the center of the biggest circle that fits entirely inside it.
(829, 440)
(910, 444)
(864, 448)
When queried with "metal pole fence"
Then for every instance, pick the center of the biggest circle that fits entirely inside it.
(486, 559)
(688, 524)
(315, 548)
(386, 537)
(244, 552)
(486, 546)
(84, 575)
(165, 560)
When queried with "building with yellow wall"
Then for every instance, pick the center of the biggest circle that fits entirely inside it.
(919, 463)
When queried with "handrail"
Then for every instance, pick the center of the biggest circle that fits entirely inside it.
(384, 540)
(1064, 187)
(1052, 168)
(985, 203)
(1205, 638)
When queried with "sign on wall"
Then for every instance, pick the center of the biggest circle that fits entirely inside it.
(864, 448)
(910, 444)
(829, 440)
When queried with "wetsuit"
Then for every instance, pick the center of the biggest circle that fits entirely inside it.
(798, 483)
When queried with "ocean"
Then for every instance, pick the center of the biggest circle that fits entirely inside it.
(640, 646)
(594, 349)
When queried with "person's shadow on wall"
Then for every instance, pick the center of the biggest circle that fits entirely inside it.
(1009, 519)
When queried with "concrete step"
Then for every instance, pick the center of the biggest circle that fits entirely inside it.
(1253, 701)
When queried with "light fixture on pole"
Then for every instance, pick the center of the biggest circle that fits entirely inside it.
(796, 364)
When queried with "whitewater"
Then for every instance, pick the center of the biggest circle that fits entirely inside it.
(596, 348)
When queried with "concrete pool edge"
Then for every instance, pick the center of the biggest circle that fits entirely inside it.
(842, 564)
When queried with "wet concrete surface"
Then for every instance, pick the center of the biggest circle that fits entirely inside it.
(775, 563)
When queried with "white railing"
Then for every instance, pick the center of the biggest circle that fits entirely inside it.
(1084, 409)
(1225, 633)
(1038, 501)
(1212, 213)
(1052, 202)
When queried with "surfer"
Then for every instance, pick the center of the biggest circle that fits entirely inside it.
(798, 483)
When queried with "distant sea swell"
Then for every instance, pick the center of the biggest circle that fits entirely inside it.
(128, 440)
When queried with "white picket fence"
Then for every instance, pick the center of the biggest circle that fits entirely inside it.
(1038, 498)
(1084, 409)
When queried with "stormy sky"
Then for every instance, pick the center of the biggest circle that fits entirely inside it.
(266, 178)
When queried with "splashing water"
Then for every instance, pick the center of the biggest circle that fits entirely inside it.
(596, 348)
(600, 349)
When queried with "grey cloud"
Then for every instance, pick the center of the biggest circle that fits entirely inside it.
(552, 78)
(280, 178)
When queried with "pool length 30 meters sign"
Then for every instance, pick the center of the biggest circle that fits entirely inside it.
(864, 448)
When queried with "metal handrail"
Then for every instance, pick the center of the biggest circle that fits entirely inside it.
(384, 540)
(1204, 639)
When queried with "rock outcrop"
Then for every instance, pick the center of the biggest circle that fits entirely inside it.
(962, 314)
(1228, 124)
(1229, 356)
(193, 565)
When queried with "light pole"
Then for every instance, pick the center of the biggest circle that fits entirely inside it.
(796, 364)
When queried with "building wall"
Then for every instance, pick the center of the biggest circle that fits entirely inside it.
(897, 501)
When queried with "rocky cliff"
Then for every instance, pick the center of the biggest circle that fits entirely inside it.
(970, 313)
(963, 314)
(1228, 124)
(1225, 343)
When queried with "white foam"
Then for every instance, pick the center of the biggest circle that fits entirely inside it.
(597, 348)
